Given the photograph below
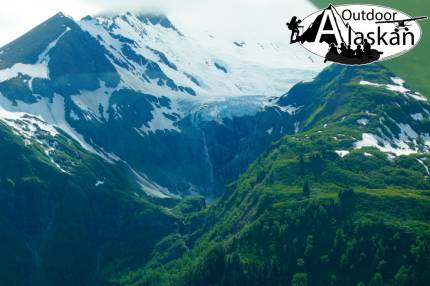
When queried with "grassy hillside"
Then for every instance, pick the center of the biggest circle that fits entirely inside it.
(414, 67)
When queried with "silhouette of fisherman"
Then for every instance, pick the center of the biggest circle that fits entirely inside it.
(293, 25)
(359, 52)
(367, 47)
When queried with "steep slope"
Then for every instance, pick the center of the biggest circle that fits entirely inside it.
(342, 202)
(122, 84)
(26, 49)
(67, 216)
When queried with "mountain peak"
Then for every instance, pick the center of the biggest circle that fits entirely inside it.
(29, 46)
(62, 15)
(156, 19)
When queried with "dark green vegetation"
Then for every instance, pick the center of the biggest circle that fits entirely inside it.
(414, 66)
(301, 214)
(58, 228)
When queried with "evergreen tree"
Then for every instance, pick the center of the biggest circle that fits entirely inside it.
(300, 279)
(377, 280)
(306, 189)
(301, 165)
(347, 200)
(403, 277)
(316, 164)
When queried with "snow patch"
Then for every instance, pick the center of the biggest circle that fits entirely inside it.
(363, 121)
(33, 71)
(417, 116)
(95, 103)
(398, 86)
(371, 140)
(417, 96)
(99, 183)
(160, 121)
(342, 153)
(273, 103)
(365, 82)
(37, 70)
(74, 116)
(398, 81)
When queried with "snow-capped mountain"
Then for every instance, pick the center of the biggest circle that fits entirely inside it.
(108, 122)
(183, 113)
(152, 55)
(121, 84)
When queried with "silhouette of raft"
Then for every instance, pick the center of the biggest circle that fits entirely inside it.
(374, 55)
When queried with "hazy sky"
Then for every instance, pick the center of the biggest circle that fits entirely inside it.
(230, 18)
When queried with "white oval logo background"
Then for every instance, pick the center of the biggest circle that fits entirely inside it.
(346, 13)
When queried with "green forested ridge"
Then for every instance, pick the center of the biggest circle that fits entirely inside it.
(301, 215)
(57, 228)
(365, 221)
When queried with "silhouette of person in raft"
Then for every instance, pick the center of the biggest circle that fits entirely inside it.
(349, 52)
(343, 49)
(367, 47)
(293, 25)
(332, 52)
(333, 49)
(359, 52)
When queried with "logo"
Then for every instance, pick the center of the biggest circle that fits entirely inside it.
(356, 34)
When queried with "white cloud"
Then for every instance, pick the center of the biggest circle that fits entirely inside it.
(20, 16)
(235, 19)
(240, 18)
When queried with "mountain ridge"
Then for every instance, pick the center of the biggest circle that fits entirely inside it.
(107, 80)
(305, 213)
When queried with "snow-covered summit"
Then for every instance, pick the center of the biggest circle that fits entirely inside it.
(152, 55)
